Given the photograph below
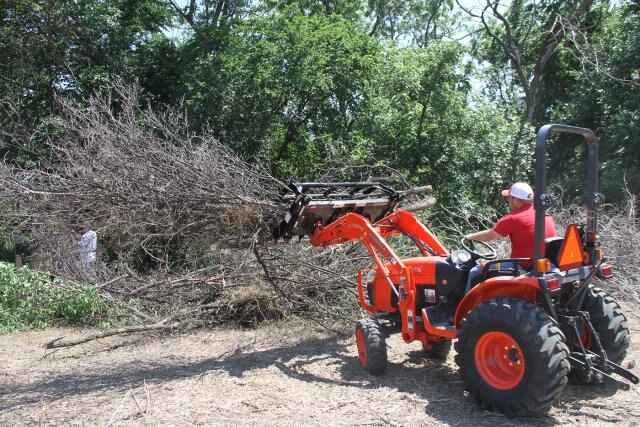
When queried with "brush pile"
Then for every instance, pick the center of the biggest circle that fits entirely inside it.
(183, 223)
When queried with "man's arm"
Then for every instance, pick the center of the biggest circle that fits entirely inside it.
(484, 236)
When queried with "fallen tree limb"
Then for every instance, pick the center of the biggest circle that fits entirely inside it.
(418, 190)
(102, 285)
(111, 332)
(420, 205)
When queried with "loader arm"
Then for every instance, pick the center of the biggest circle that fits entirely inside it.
(352, 227)
(407, 223)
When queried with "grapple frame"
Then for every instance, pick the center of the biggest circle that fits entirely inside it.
(314, 203)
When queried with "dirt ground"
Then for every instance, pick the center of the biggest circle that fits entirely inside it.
(278, 375)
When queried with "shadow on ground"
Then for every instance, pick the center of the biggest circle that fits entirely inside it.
(439, 384)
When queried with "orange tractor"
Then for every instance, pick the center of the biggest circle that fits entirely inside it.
(520, 334)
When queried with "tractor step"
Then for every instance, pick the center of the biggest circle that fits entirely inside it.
(436, 322)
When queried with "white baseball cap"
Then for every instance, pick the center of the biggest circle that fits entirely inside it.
(519, 190)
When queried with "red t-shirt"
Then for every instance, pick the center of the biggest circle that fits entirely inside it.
(520, 227)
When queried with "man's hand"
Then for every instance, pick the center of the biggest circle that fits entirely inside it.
(483, 236)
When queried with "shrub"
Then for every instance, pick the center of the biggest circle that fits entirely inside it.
(30, 299)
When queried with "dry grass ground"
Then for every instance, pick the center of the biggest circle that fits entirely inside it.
(278, 375)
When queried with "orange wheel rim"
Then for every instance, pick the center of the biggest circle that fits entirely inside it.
(585, 338)
(499, 360)
(362, 347)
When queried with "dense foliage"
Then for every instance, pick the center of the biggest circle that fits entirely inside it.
(170, 123)
(303, 86)
(307, 85)
(29, 299)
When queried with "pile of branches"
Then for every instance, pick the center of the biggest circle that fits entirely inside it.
(619, 233)
(183, 223)
(140, 176)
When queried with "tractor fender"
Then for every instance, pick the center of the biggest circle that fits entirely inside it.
(521, 287)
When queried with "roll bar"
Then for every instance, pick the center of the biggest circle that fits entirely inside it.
(542, 200)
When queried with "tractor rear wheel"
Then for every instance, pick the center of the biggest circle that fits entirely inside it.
(608, 321)
(512, 358)
(372, 346)
(610, 324)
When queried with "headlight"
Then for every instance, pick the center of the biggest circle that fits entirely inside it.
(460, 256)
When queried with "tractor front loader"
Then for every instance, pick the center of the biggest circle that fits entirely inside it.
(520, 334)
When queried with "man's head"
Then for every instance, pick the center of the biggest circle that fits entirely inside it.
(518, 195)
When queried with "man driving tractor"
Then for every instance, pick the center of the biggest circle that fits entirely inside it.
(519, 225)
(518, 337)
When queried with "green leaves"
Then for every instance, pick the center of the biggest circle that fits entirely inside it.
(599, 90)
(289, 87)
(67, 47)
(32, 300)
(305, 86)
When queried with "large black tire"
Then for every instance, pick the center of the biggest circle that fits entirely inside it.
(609, 322)
(437, 350)
(512, 358)
(372, 346)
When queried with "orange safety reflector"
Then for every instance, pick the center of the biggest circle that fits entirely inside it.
(544, 265)
(571, 255)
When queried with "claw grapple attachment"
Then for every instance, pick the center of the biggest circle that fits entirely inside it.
(316, 202)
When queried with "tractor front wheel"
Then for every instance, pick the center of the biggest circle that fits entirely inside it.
(372, 346)
(512, 358)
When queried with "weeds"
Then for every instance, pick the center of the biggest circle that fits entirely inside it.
(31, 300)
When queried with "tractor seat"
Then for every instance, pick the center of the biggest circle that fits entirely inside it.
(552, 247)
(496, 268)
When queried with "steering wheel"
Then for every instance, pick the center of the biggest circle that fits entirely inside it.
(469, 246)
